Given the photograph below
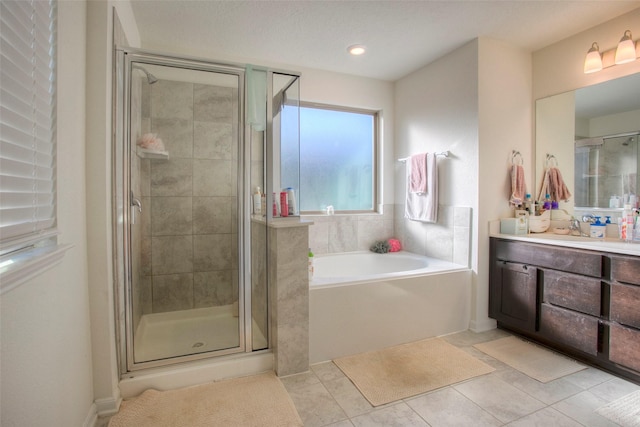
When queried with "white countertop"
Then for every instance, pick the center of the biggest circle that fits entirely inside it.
(612, 245)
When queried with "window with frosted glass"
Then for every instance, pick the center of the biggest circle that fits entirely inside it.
(337, 159)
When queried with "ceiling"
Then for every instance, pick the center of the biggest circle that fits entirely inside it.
(400, 36)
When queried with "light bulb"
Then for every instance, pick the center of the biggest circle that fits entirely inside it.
(593, 61)
(626, 51)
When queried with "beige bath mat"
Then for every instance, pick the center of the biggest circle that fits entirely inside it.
(535, 361)
(259, 400)
(407, 370)
(624, 411)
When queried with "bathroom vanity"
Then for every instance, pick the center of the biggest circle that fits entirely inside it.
(577, 295)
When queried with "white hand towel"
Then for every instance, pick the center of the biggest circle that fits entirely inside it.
(423, 206)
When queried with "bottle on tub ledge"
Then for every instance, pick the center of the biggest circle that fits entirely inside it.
(291, 200)
(284, 204)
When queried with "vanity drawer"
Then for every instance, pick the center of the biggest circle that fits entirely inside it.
(570, 328)
(572, 291)
(625, 304)
(570, 260)
(625, 269)
(624, 346)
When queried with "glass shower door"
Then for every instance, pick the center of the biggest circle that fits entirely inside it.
(184, 297)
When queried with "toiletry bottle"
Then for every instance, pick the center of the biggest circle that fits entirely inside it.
(598, 229)
(627, 223)
(310, 264)
(547, 202)
(257, 202)
(527, 203)
(291, 197)
(284, 204)
(276, 211)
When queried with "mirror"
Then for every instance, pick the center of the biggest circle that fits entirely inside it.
(593, 135)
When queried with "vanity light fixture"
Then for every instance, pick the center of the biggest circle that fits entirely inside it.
(356, 49)
(593, 62)
(626, 51)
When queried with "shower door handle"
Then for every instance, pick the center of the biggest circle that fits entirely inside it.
(136, 204)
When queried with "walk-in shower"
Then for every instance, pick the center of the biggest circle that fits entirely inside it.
(192, 263)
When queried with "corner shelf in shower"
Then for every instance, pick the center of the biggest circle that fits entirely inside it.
(152, 154)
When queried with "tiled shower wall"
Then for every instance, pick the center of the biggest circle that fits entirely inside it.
(449, 239)
(190, 240)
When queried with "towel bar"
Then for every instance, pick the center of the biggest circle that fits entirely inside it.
(442, 153)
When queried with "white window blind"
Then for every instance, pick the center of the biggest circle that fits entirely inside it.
(27, 123)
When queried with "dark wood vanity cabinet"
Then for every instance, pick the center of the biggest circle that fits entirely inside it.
(583, 303)
(513, 297)
(624, 314)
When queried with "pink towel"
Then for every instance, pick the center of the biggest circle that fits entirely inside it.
(418, 178)
(518, 186)
(558, 189)
(423, 206)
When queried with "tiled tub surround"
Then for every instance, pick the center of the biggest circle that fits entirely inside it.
(347, 233)
(449, 239)
(189, 224)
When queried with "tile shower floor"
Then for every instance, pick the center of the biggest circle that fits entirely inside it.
(325, 397)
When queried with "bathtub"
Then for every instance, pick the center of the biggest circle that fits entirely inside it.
(363, 301)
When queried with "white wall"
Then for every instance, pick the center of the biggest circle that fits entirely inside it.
(99, 60)
(437, 110)
(45, 353)
(476, 103)
(555, 133)
(505, 114)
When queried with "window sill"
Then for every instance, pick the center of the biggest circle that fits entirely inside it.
(29, 264)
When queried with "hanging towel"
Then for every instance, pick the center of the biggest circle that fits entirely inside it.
(423, 206)
(418, 178)
(558, 189)
(553, 185)
(518, 185)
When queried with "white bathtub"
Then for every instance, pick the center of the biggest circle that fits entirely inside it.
(363, 301)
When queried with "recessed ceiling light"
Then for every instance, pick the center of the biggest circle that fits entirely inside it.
(356, 49)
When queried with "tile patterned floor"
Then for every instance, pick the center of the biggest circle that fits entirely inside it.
(325, 397)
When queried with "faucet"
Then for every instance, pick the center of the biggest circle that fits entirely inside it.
(574, 225)
(589, 218)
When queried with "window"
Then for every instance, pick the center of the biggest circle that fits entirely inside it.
(27, 137)
(338, 149)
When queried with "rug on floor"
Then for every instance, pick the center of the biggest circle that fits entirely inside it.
(407, 370)
(259, 400)
(532, 360)
(624, 411)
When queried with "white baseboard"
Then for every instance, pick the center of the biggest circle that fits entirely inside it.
(107, 406)
(92, 417)
(483, 325)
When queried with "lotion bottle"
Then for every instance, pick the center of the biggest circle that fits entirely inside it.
(257, 202)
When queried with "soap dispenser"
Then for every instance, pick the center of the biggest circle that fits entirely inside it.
(598, 229)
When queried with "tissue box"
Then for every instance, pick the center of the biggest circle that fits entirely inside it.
(514, 225)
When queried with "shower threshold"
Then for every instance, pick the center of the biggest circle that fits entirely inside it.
(180, 333)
